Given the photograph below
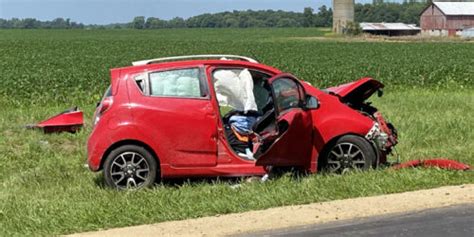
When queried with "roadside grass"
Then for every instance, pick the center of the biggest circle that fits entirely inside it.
(45, 189)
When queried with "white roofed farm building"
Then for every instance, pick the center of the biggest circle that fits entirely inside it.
(389, 29)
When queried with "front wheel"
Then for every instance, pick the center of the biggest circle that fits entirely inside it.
(349, 152)
(130, 167)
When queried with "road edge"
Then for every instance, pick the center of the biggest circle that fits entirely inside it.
(300, 215)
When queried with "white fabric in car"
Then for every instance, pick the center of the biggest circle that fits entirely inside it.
(235, 90)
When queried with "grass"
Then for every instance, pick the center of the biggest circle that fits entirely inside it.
(71, 67)
(45, 189)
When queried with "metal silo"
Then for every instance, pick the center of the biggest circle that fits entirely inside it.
(343, 12)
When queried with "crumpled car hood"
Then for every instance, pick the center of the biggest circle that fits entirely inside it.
(356, 91)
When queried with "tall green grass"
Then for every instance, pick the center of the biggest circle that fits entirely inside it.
(72, 67)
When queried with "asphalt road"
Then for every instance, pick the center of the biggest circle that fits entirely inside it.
(449, 221)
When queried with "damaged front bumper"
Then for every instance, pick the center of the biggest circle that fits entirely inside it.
(378, 137)
(382, 135)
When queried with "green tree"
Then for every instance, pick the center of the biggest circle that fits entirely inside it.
(30, 23)
(352, 28)
(324, 17)
(407, 12)
(308, 17)
(4, 24)
(59, 23)
(286, 22)
(176, 22)
(138, 22)
(231, 21)
(16, 23)
(155, 23)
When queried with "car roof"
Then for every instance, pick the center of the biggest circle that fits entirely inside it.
(196, 63)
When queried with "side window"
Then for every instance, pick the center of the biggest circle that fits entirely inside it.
(287, 94)
(177, 83)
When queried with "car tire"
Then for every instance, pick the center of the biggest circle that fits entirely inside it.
(130, 167)
(347, 153)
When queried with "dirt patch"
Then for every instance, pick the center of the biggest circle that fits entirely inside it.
(372, 38)
(290, 216)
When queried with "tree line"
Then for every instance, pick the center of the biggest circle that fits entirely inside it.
(378, 11)
(241, 19)
(32, 23)
(406, 12)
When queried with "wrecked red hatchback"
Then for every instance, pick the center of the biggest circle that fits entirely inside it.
(226, 115)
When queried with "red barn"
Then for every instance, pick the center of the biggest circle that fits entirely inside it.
(447, 18)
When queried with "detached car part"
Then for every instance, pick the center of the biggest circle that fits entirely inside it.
(439, 163)
(70, 120)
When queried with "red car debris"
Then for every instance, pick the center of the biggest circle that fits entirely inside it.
(226, 115)
(70, 120)
(441, 163)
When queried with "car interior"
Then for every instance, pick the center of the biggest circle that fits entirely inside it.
(264, 127)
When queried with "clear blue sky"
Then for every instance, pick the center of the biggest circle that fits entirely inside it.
(115, 11)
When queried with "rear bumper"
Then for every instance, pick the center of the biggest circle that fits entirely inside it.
(94, 159)
(96, 149)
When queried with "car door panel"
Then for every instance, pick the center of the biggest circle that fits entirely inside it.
(292, 147)
(291, 141)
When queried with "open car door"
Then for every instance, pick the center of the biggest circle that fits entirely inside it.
(286, 128)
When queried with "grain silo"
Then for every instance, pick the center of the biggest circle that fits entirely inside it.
(343, 12)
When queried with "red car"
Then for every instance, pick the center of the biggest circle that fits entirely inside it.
(169, 117)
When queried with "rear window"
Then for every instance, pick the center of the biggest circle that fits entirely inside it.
(176, 83)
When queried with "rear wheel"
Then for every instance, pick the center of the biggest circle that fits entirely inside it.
(130, 167)
(349, 152)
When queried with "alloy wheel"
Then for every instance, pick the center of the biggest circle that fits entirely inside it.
(344, 157)
(129, 170)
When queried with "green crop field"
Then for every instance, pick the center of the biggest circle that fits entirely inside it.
(46, 190)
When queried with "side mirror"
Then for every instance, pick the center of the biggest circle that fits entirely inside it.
(380, 92)
(311, 102)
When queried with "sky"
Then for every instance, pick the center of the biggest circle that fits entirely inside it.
(120, 11)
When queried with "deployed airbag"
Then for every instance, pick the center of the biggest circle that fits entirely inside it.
(235, 90)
